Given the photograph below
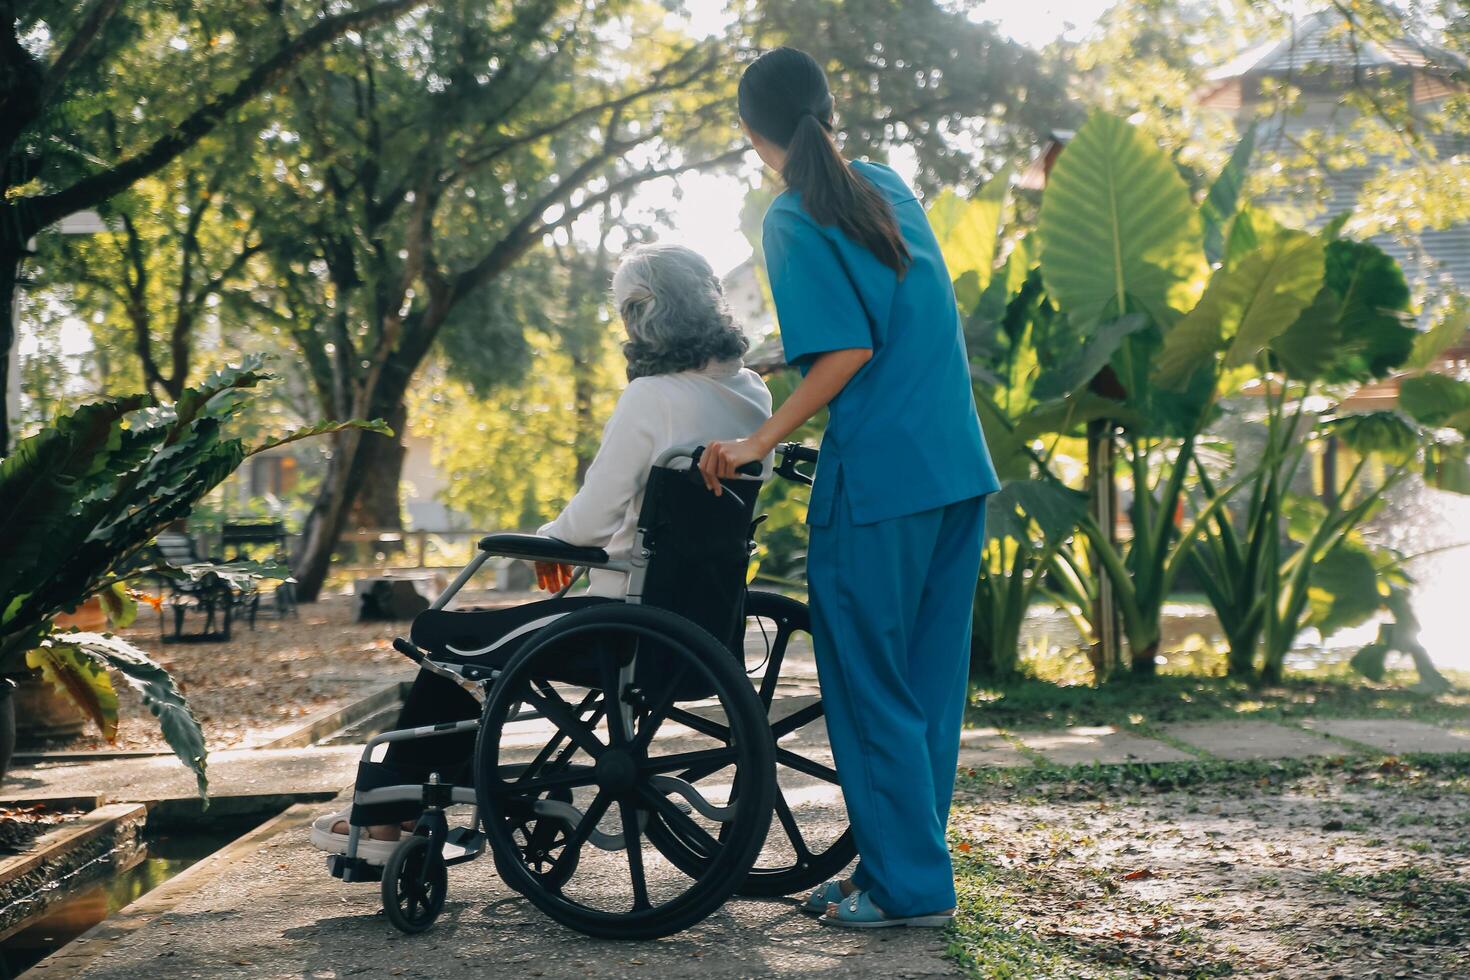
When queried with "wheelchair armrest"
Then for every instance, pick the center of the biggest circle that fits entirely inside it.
(536, 547)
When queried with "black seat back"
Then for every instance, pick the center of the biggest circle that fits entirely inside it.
(700, 548)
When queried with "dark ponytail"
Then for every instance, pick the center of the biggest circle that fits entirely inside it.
(784, 98)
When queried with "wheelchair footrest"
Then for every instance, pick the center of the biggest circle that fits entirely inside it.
(353, 869)
(468, 838)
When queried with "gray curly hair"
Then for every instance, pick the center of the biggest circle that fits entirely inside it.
(673, 307)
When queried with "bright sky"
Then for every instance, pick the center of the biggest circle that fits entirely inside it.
(707, 217)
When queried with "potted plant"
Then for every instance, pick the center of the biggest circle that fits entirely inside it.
(80, 502)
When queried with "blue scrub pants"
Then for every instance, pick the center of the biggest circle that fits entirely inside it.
(891, 612)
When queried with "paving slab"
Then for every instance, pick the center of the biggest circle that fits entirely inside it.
(1252, 739)
(277, 914)
(982, 748)
(1105, 745)
(1391, 735)
(238, 772)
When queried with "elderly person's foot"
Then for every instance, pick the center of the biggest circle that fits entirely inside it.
(377, 831)
(330, 831)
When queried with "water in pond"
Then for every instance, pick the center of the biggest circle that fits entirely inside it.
(166, 855)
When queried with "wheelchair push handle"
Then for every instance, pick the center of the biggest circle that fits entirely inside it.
(790, 454)
(753, 468)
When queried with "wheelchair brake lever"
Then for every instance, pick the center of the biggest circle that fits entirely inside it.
(406, 647)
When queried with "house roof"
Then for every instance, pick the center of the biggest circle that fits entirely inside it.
(1327, 38)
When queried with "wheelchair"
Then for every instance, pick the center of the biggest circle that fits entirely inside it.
(629, 759)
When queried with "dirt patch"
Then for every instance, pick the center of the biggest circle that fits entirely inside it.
(265, 682)
(1340, 874)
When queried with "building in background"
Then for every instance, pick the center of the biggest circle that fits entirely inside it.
(1324, 61)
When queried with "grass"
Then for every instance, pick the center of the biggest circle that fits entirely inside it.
(1021, 913)
(1434, 772)
(1328, 692)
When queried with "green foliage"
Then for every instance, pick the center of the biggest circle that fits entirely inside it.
(782, 538)
(1118, 230)
(1025, 525)
(83, 498)
(68, 657)
(1285, 316)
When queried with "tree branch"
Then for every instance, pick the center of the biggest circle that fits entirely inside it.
(86, 34)
(47, 208)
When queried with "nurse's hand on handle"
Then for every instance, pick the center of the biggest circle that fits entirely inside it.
(829, 374)
(553, 576)
(721, 460)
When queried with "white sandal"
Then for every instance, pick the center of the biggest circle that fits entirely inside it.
(369, 849)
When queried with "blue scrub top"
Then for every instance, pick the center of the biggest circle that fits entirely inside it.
(902, 436)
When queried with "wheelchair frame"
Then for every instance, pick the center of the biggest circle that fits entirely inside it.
(436, 796)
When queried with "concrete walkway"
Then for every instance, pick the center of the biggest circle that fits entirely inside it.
(265, 907)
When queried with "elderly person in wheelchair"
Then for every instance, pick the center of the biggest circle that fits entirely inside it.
(645, 711)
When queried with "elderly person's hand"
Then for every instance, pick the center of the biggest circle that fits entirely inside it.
(722, 459)
(553, 576)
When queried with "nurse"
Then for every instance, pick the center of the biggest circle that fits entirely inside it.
(867, 313)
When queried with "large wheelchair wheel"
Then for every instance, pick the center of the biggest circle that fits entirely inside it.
(607, 682)
(815, 841)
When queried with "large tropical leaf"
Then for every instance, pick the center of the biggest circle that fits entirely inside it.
(1383, 434)
(1437, 400)
(1312, 345)
(1092, 354)
(1343, 590)
(1055, 510)
(214, 395)
(324, 428)
(84, 682)
(1268, 289)
(1224, 196)
(1248, 305)
(1447, 468)
(968, 230)
(159, 692)
(1118, 231)
(1377, 334)
(1449, 328)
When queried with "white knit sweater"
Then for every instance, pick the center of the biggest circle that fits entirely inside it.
(721, 401)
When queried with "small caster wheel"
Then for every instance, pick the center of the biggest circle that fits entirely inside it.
(415, 882)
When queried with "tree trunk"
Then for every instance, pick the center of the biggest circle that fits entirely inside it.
(379, 501)
(324, 524)
(357, 467)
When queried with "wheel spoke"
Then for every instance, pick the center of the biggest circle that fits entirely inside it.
(584, 827)
(551, 747)
(802, 764)
(797, 719)
(699, 724)
(612, 693)
(793, 832)
(718, 758)
(633, 844)
(659, 710)
(570, 778)
(559, 713)
(680, 822)
(774, 660)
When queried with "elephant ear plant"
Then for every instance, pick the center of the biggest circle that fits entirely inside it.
(80, 502)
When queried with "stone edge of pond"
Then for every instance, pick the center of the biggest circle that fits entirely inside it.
(329, 721)
(73, 958)
(100, 832)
